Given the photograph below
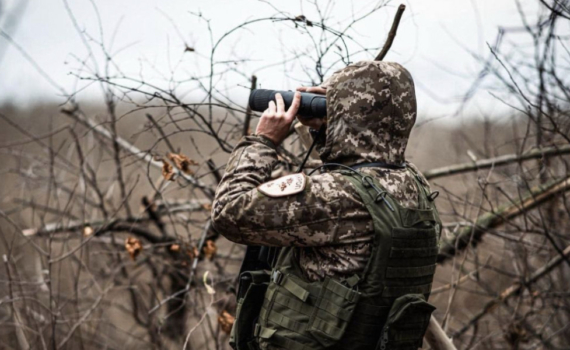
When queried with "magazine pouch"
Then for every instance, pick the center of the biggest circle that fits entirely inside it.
(407, 323)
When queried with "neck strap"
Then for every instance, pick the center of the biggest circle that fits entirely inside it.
(379, 165)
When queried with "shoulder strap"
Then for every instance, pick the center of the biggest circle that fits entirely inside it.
(423, 191)
(379, 205)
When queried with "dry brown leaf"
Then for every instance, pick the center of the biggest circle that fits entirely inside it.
(182, 162)
(210, 249)
(226, 321)
(87, 231)
(175, 247)
(133, 246)
(167, 171)
(207, 206)
(192, 252)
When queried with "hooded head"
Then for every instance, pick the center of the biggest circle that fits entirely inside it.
(371, 109)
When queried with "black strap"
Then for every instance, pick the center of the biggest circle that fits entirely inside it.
(379, 165)
(316, 138)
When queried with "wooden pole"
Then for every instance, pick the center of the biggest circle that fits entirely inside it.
(436, 337)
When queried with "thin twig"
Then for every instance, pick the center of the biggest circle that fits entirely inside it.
(392, 33)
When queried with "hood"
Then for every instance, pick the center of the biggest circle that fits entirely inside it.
(371, 109)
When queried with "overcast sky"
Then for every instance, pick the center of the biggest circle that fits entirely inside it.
(433, 42)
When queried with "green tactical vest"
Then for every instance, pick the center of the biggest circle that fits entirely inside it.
(384, 307)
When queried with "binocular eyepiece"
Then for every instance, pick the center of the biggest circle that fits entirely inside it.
(311, 106)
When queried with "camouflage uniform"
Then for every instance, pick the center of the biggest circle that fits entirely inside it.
(371, 109)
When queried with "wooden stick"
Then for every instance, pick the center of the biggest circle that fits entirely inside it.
(392, 34)
(164, 137)
(215, 172)
(436, 337)
(472, 235)
(491, 162)
(247, 119)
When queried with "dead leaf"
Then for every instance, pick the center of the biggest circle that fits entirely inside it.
(175, 247)
(192, 252)
(167, 171)
(302, 18)
(87, 231)
(207, 206)
(133, 246)
(209, 288)
(226, 321)
(210, 249)
(182, 162)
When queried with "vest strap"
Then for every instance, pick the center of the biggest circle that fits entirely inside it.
(284, 321)
(410, 272)
(269, 333)
(264, 332)
(413, 233)
(291, 286)
(293, 304)
(400, 253)
(342, 291)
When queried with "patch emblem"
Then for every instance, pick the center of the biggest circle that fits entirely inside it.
(284, 186)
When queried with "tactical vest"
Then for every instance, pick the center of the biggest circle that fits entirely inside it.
(384, 307)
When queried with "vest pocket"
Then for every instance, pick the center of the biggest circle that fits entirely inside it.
(255, 285)
(407, 323)
(333, 311)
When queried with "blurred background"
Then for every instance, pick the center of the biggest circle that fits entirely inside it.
(117, 119)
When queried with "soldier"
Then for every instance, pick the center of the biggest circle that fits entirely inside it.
(358, 241)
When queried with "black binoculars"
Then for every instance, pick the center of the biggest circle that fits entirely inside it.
(312, 105)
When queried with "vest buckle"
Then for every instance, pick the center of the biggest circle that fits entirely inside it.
(277, 277)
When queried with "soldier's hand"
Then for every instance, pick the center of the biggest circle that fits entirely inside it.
(313, 89)
(275, 121)
(313, 123)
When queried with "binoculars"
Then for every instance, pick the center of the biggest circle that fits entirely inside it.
(311, 106)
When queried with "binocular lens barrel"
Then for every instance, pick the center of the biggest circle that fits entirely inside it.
(312, 105)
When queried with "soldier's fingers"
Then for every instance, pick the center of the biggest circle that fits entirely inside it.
(271, 108)
(280, 103)
(316, 90)
(302, 88)
(292, 112)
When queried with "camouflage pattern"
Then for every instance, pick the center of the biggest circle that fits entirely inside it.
(371, 111)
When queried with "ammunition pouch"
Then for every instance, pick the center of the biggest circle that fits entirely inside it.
(299, 316)
(407, 323)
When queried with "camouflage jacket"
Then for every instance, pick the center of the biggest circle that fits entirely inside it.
(371, 109)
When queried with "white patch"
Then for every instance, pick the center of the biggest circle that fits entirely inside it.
(284, 186)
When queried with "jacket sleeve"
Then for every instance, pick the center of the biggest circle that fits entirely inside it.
(328, 211)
